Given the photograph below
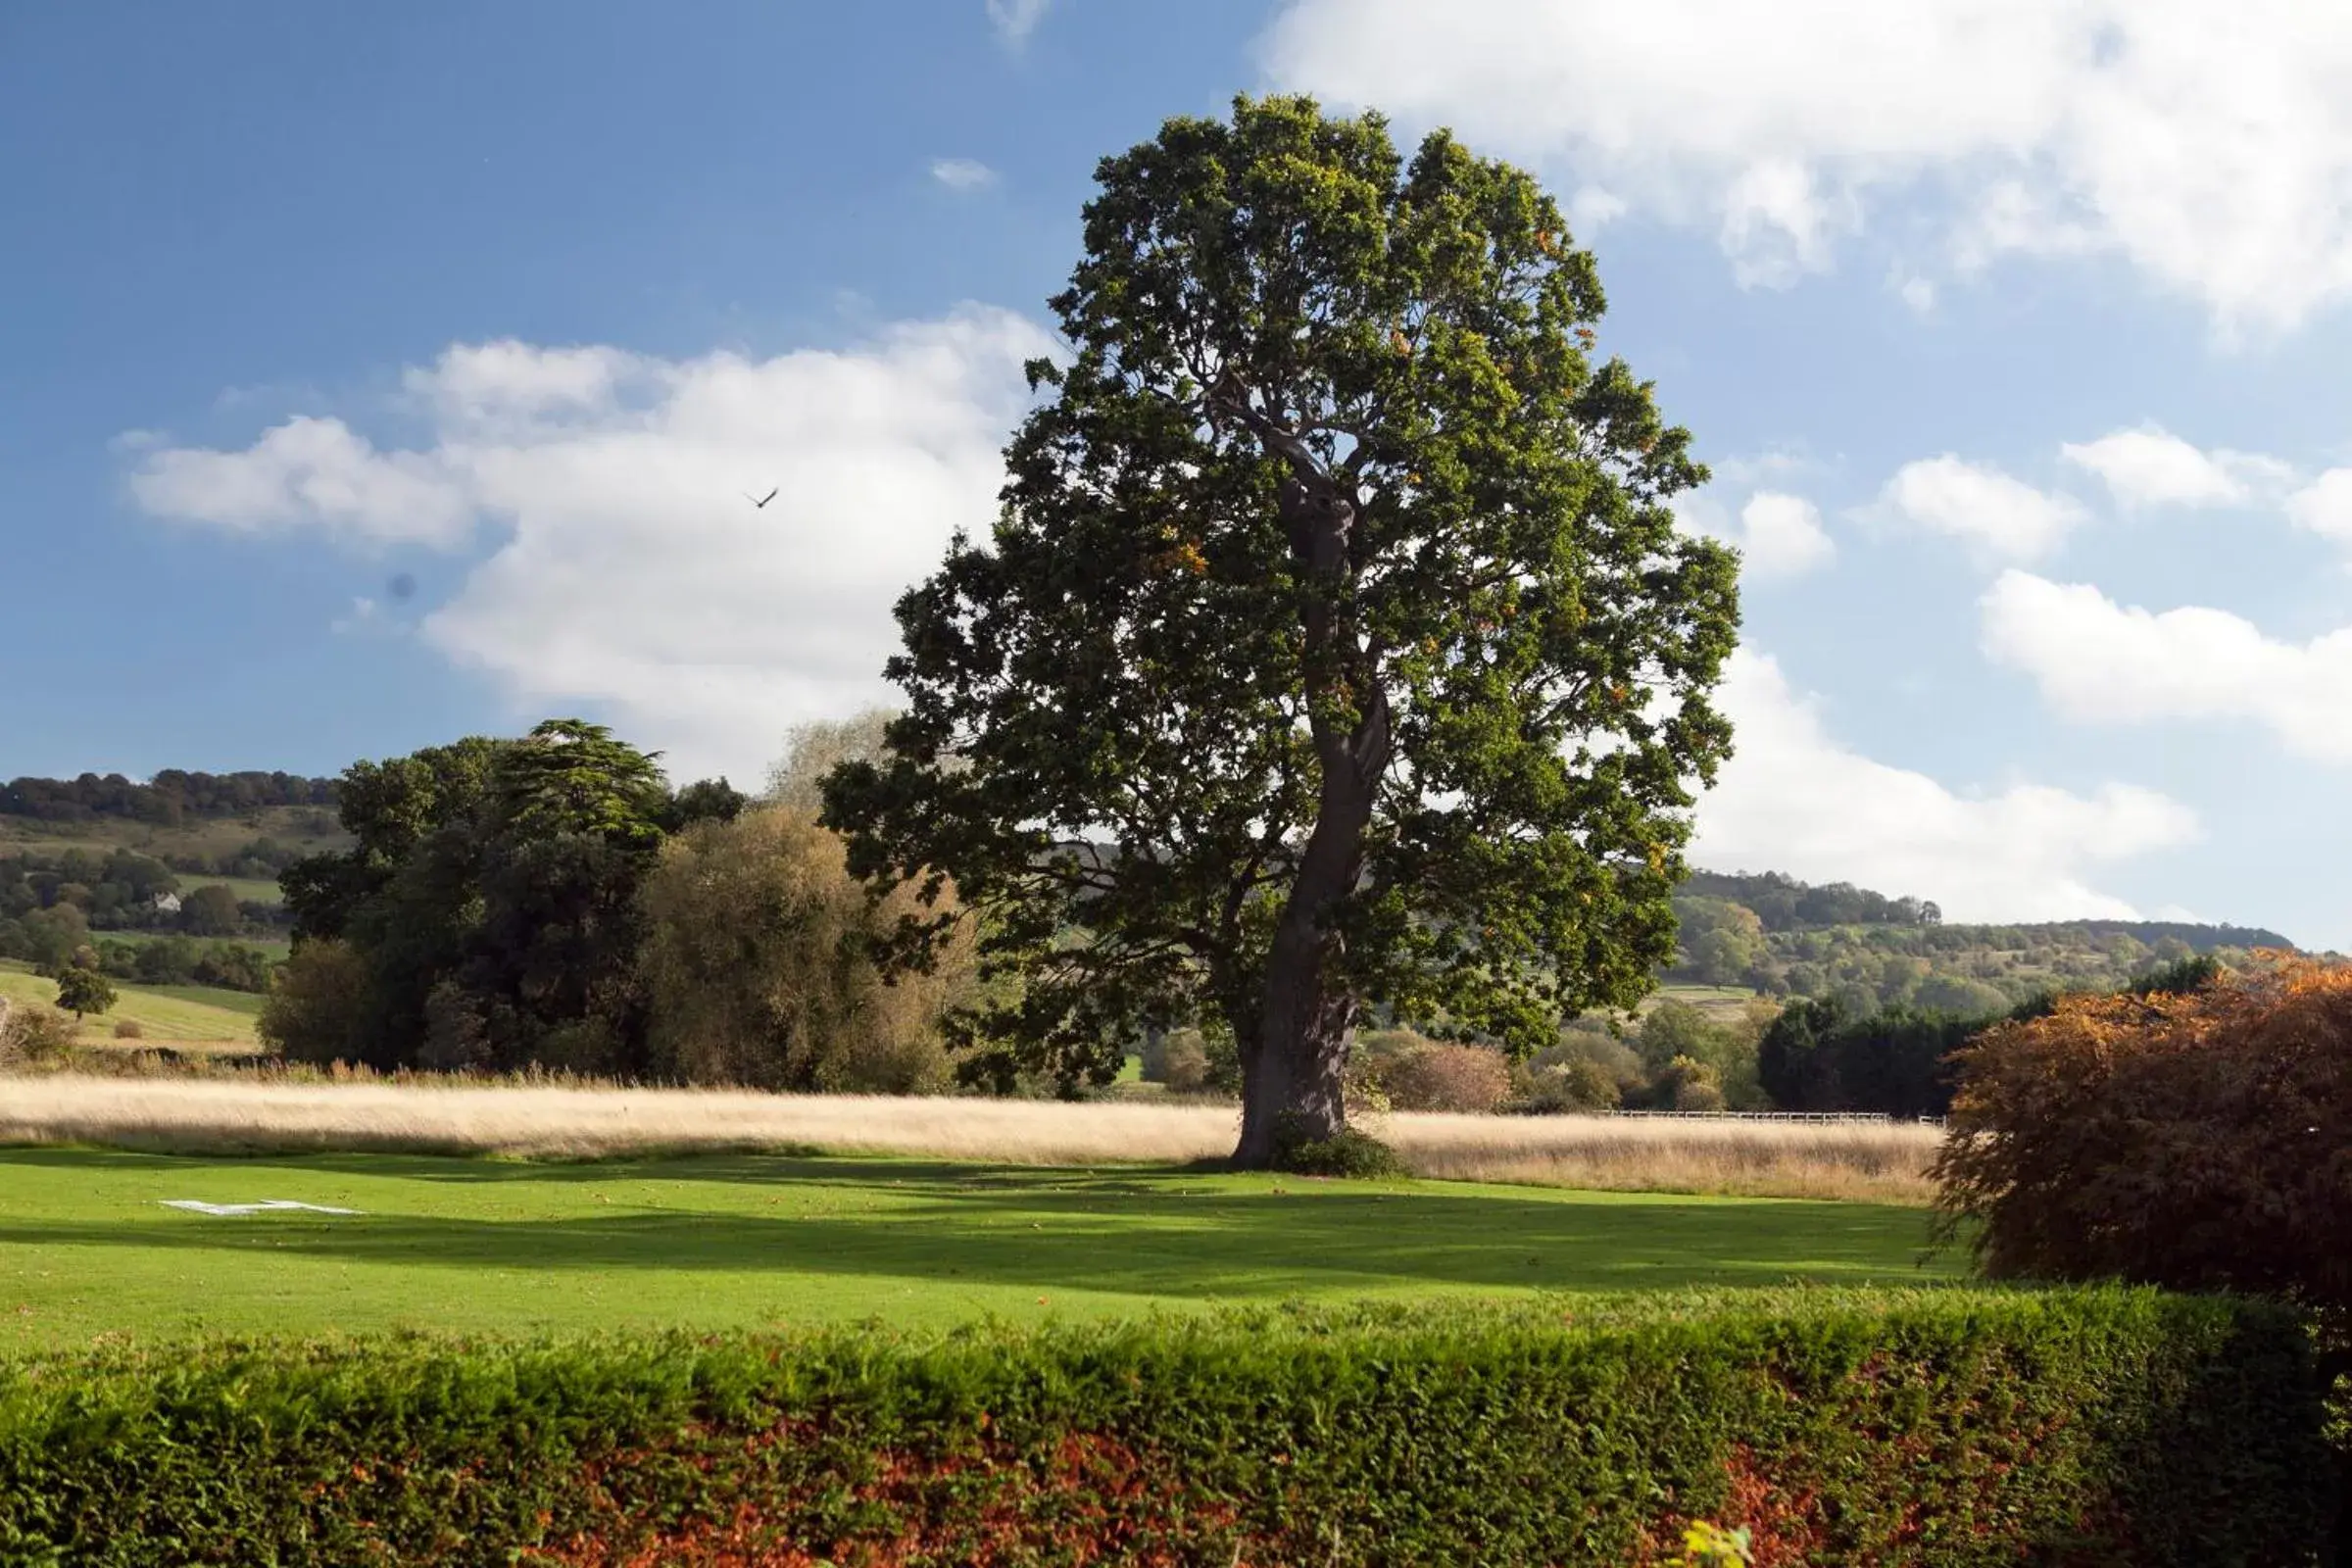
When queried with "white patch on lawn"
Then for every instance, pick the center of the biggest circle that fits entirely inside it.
(274, 1206)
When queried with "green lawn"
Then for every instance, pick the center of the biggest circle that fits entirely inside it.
(87, 1248)
(165, 1014)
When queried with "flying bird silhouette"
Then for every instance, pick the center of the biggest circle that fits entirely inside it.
(764, 499)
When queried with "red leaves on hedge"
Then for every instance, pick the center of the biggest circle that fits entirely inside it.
(1088, 1499)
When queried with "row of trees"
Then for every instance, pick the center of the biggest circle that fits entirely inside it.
(1956, 969)
(550, 903)
(172, 796)
(1782, 903)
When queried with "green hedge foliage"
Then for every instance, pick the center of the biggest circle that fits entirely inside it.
(1959, 1428)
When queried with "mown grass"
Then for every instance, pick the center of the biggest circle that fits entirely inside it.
(165, 1014)
(90, 1254)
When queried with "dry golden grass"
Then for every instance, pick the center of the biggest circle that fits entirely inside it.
(205, 1116)
(1881, 1162)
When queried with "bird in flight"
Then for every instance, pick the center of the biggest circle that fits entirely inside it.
(764, 499)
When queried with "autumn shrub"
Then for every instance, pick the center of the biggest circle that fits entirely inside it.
(1933, 1429)
(1574, 1083)
(128, 1029)
(34, 1035)
(2199, 1139)
(1447, 1077)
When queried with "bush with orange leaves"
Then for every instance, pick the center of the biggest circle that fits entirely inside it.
(2200, 1141)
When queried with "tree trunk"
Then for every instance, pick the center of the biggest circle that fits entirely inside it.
(1295, 1061)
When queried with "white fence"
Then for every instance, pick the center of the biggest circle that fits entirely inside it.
(1833, 1118)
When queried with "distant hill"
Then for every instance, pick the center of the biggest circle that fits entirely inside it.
(1780, 936)
(172, 797)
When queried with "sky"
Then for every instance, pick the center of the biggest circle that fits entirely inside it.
(372, 376)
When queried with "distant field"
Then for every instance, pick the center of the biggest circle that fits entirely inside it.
(1716, 1002)
(89, 1250)
(1872, 1162)
(272, 947)
(247, 889)
(166, 1015)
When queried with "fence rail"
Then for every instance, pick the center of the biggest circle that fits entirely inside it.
(1868, 1118)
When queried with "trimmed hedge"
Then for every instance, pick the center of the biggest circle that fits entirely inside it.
(1946, 1427)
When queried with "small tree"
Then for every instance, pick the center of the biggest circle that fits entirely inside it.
(315, 1003)
(1336, 645)
(82, 990)
(212, 910)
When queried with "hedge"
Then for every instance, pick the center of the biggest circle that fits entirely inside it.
(1951, 1428)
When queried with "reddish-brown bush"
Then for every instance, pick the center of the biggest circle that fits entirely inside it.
(2197, 1141)
(1468, 1078)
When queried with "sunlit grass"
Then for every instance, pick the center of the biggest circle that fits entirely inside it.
(88, 1248)
(1875, 1162)
(166, 1015)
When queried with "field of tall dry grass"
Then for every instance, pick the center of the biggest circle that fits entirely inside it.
(1875, 1162)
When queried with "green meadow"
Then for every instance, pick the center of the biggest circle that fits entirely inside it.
(166, 1015)
(89, 1252)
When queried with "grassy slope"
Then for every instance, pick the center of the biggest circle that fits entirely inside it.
(86, 1249)
(168, 1015)
(289, 825)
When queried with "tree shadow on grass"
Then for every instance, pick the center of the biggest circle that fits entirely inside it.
(1090, 1231)
(745, 1169)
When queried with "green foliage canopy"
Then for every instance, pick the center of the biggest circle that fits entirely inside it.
(491, 899)
(1335, 644)
(80, 991)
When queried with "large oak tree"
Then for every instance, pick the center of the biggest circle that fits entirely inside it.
(1335, 646)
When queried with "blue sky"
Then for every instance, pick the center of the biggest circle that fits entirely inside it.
(374, 376)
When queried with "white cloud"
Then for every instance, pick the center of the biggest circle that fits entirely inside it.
(1919, 293)
(627, 570)
(2208, 144)
(2099, 662)
(963, 173)
(1781, 535)
(1593, 207)
(2002, 516)
(1015, 20)
(1794, 798)
(2325, 505)
(2151, 467)
(310, 474)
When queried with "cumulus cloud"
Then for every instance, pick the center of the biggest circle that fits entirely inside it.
(1795, 799)
(2151, 467)
(1015, 20)
(2099, 662)
(2325, 505)
(1781, 535)
(963, 173)
(2002, 516)
(310, 474)
(626, 570)
(2209, 145)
